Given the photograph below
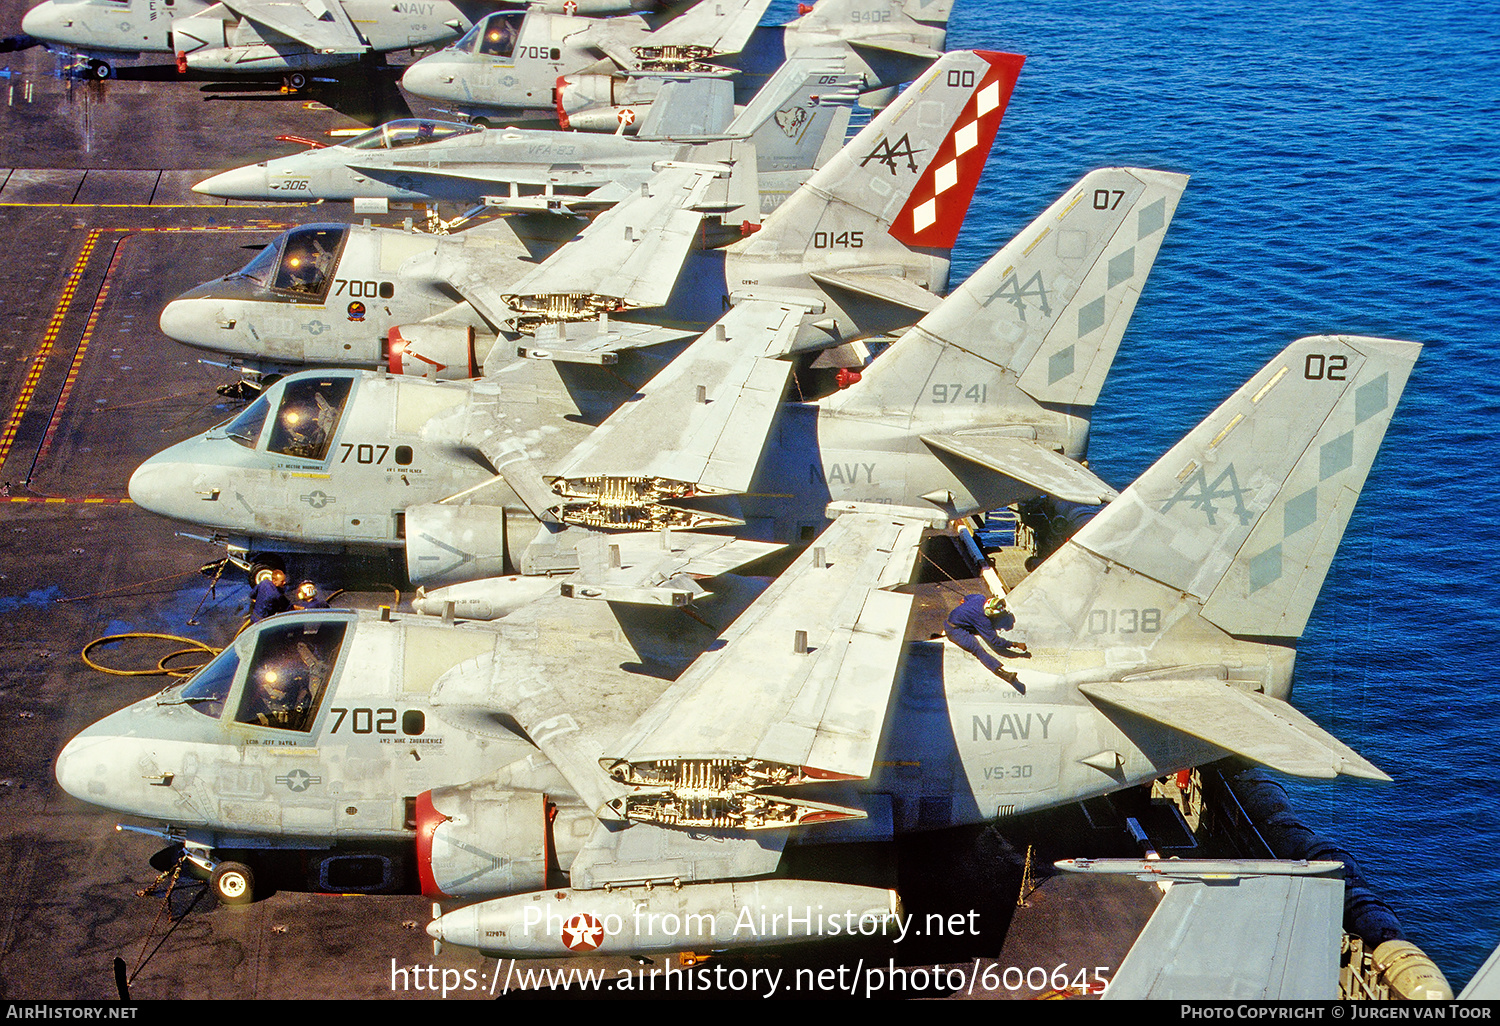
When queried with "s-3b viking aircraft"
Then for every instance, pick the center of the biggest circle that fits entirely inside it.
(985, 402)
(867, 239)
(555, 767)
(286, 37)
(600, 74)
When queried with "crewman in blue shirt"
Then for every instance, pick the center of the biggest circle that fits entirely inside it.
(976, 618)
(269, 596)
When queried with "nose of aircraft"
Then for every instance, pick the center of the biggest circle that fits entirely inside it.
(432, 78)
(41, 21)
(196, 321)
(239, 183)
(179, 485)
(151, 485)
(81, 769)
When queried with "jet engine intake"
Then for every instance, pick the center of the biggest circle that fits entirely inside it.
(441, 352)
(475, 844)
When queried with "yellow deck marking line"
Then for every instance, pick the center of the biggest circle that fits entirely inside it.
(49, 337)
(54, 326)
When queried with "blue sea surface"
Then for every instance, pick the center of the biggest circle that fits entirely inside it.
(1345, 166)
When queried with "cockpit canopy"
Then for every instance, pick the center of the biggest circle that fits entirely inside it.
(492, 36)
(285, 679)
(299, 263)
(395, 135)
(308, 410)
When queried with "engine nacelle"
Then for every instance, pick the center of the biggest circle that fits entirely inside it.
(602, 103)
(480, 843)
(442, 352)
(209, 30)
(453, 544)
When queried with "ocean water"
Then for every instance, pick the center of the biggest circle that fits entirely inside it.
(1345, 178)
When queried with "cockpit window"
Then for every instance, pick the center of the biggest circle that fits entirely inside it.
(498, 34)
(409, 132)
(308, 255)
(262, 267)
(245, 428)
(208, 688)
(308, 416)
(289, 674)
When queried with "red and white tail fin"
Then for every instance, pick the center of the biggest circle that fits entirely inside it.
(936, 207)
(902, 186)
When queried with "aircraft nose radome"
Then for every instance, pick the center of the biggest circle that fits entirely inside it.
(76, 766)
(38, 21)
(459, 927)
(239, 183)
(182, 319)
(152, 486)
(429, 81)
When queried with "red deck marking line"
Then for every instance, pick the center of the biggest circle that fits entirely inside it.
(38, 361)
(106, 499)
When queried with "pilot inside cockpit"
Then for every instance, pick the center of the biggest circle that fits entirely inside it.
(309, 416)
(289, 674)
(307, 258)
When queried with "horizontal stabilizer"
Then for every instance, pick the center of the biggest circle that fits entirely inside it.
(1031, 464)
(1262, 729)
(897, 47)
(1283, 944)
(883, 287)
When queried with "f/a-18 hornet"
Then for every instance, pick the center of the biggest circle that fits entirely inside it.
(795, 124)
(985, 402)
(601, 771)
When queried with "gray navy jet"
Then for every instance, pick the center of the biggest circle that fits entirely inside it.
(588, 72)
(604, 773)
(287, 37)
(866, 239)
(985, 402)
(795, 123)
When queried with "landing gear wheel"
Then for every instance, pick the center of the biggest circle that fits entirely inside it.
(100, 69)
(296, 81)
(233, 883)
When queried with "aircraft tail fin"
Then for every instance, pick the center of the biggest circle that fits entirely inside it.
(1243, 516)
(796, 111)
(883, 17)
(906, 180)
(1039, 324)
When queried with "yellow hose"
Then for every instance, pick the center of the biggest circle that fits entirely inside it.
(161, 664)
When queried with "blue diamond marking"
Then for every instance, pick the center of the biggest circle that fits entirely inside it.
(1060, 365)
(1371, 398)
(1122, 267)
(1265, 568)
(1151, 219)
(1336, 455)
(1091, 317)
(1300, 512)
